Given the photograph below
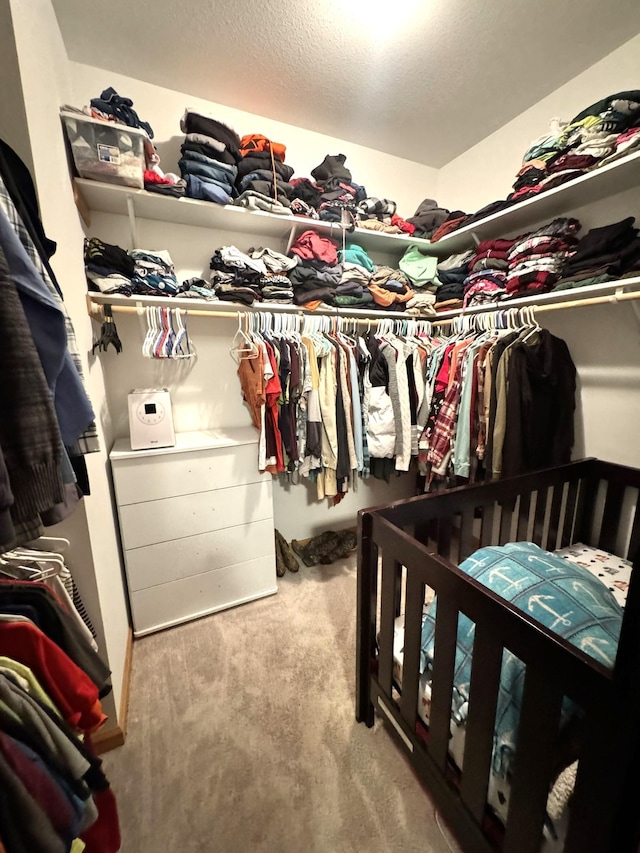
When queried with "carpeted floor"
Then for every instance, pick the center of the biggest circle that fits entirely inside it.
(242, 736)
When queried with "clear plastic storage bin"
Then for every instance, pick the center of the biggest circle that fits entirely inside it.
(102, 151)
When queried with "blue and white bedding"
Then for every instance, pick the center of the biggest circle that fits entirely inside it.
(569, 592)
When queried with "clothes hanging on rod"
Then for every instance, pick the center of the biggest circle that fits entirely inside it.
(46, 419)
(501, 399)
(55, 796)
(322, 411)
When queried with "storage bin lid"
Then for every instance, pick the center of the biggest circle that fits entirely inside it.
(117, 125)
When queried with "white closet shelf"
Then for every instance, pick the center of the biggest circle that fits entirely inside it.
(109, 198)
(616, 177)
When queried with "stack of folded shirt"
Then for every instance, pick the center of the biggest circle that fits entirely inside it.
(236, 276)
(153, 273)
(305, 197)
(275, 286)
(569, 150)
(605, 253)
(108, 268)
(263, 177)
(451, 276)
(420, 269)
(340, 194)
(198, 288)
(210, 154)
(390, 288)
(456, 219)
(357, 268)
(167, 184)
(376, 214)
(536, 260)
(317, 273)
(428, 217)
(487, 272)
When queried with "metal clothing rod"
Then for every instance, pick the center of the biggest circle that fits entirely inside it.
(556, 306)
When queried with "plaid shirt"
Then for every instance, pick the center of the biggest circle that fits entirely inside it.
(440, 443)
(88, 442)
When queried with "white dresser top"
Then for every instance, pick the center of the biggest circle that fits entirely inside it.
(189, 441)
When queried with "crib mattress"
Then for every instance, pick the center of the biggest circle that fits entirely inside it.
(612, 571)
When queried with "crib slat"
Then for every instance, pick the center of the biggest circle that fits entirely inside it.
(538, 518)
(390, 568)
(442, 681)
(467, 545)
(505, 521)
(554, 517)
(569, 512)
(412, 632)
(444, 537)
(611, 515)
(523, 517)
(537, 734)
(633, 551)
(486, 533)
(483, 696)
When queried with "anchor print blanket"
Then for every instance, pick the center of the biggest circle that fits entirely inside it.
(561, 595)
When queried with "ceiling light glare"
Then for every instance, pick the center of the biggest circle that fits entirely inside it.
(380, 18)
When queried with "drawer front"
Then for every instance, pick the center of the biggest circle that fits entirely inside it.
(171, 603)
(195, 555)
(154, 477)
(188, 515)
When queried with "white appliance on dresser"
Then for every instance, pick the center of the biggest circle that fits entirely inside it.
(196, 522)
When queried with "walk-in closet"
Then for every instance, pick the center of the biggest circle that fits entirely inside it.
(319, 460)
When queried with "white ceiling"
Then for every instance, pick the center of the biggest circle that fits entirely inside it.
(421, 79)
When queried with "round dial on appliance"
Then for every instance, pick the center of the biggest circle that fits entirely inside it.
(150, 413)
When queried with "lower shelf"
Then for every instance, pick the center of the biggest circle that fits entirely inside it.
(169, 604)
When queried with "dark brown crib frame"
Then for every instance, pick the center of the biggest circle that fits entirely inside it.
(552, 508)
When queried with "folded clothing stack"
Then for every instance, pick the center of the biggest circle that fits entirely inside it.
(275, 286)
(487, 278)
(109, 269)
(163, 184)
(340, 194)
(590, 140)
(377, 214)
(420, 269)
(153, 273)
(263, 177)
(210, 154)
(236, 276)
(111, 106)
(536, 260)
(305, 197)
(357, 268)
(390, 289)
(317, 273)
(605, 253)
(451, 275)
(428, 217)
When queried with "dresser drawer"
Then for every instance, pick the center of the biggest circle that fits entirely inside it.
(168, 604)
(173, 474)
(195, 555)
(188, 515)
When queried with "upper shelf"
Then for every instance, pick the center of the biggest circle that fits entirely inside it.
(622, 174)
(109, 198)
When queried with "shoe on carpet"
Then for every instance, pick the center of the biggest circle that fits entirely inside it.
(281, 569)
(288, 557)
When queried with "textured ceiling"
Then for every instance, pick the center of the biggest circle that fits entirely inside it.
(421, 79)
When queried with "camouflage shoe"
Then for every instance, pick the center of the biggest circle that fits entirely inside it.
(289, 558)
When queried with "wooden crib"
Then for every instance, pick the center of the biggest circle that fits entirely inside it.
(419, 543)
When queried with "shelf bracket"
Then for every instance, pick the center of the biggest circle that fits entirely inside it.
(133, 227)
(475, 238)
(291, 238)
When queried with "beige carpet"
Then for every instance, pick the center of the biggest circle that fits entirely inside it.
(242, 736)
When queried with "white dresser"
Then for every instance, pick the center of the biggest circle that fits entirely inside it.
(196, 522)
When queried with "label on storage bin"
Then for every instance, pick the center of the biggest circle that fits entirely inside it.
(109, 154)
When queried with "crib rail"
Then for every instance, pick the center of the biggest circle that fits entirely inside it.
(422, 540)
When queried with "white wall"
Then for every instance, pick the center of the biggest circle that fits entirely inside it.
(487, 171)
(383, 175)
(44, 74)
